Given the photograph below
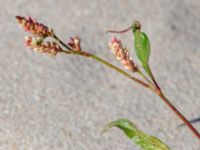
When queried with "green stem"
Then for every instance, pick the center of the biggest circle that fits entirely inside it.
(149, 72)
(85, 54)
(144, 77)
(61, 42)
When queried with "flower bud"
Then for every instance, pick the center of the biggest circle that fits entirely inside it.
(75, 43)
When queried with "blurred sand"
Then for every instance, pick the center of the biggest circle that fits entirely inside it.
(63, 103)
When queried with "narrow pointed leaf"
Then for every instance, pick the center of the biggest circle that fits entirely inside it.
(145, 141)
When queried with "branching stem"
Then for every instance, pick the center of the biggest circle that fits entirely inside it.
(102, 61)
(149, 85)
(61, 42)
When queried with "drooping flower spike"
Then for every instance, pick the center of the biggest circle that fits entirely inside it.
(32, 26)
(121, 53)
(51, 48)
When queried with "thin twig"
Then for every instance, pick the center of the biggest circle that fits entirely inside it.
(61, 42)
(153, 78)
(144, 77)
(181, 116)
(102, 61)
(120, 32)
(172, 107)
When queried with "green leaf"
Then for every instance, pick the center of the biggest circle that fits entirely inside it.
(142, 47)
(145, 141)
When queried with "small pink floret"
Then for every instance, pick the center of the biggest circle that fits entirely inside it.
(28, 41)
(115, 40)
(28, 18)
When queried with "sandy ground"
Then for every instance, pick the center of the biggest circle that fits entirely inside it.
(63, 103)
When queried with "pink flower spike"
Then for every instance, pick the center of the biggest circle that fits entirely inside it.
(34, 27)
(37, 44)
(122, 54)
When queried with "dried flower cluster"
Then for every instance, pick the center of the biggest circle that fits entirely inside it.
(121, 53)
(40, 32)
(37, 44)
(75, 43)
(34, 27)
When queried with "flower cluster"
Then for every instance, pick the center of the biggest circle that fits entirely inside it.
(40, 32)
(122, 54)
(34, 27)
(75, 43)
(37, 44)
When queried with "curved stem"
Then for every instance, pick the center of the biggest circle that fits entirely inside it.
(102, 61)
(121, 31)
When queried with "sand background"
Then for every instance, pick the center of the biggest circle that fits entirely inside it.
(63, 103)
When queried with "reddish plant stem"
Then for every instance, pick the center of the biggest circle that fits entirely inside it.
(121, 31)
(181, 116)
(172, 107)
